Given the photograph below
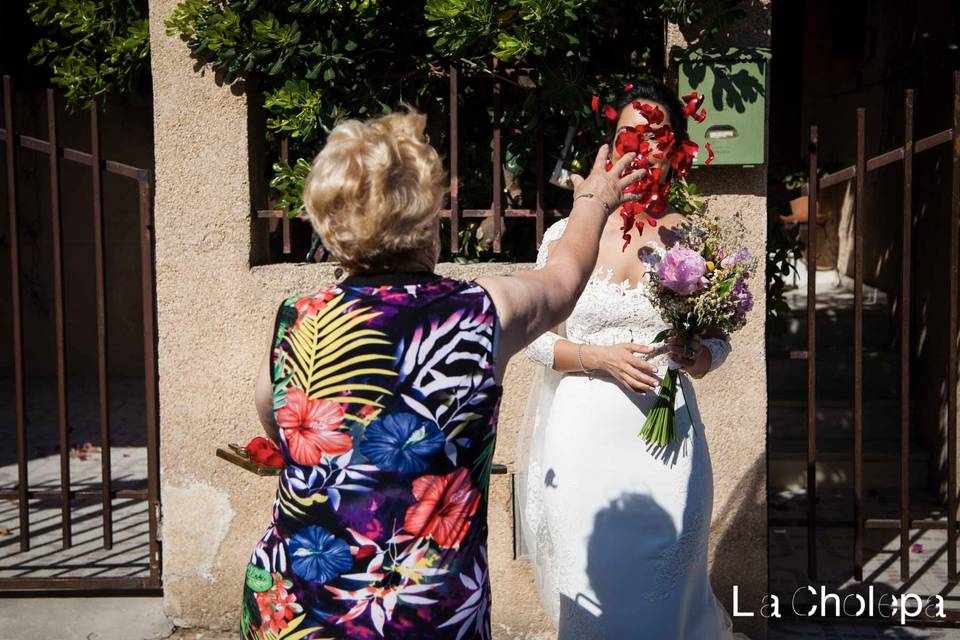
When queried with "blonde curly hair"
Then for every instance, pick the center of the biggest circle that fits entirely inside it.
(374, 192)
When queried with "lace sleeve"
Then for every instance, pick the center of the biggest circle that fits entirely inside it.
(719, 349)
(540, 350)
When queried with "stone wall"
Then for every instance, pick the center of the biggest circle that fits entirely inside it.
(215, 315)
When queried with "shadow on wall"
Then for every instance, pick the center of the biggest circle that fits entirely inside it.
(741, 552)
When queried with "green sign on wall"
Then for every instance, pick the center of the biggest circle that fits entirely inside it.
(733, 82)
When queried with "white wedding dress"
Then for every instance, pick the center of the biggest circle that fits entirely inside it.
(617, 531)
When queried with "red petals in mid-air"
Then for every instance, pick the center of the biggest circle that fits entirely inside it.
(650, 112)
(595, 103)
(654, 140)
(692, 103)
(629, 87)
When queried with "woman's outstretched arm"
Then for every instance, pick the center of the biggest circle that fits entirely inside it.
(531, 302)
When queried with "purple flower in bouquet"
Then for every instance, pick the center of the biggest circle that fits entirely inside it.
(682, 270)
(742, 255)
(743, 297)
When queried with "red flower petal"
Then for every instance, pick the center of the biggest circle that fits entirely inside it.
(651, 112)
(629, 87)
(692, 102)
(700, 117)
(609, 112)
(709, 154)
(595, 103)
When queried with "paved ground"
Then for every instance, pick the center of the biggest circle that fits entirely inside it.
(83, 619)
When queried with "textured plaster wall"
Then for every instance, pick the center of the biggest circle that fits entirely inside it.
(733, 400)
(215, 315)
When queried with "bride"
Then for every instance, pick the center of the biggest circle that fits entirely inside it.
(618, 530)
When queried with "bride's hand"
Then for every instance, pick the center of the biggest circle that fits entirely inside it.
(624, 363)
(693, 357)
(607, 185)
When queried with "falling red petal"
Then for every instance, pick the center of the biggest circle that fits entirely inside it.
(609, 112)
(652, 113)
(629, 87)
(595, 103)
(709, 154)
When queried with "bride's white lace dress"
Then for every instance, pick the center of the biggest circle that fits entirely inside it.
(617, 532)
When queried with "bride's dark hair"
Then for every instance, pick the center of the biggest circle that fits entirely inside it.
(650, 90)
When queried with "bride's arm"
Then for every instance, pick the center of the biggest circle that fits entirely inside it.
(554, 351)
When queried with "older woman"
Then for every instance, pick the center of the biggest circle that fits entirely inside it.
(382, 392)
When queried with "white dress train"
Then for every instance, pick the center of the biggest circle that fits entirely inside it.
(617, 531)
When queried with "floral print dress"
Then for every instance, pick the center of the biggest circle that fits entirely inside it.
(386, 402)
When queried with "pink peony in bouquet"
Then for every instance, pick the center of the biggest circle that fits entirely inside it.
(698, 285)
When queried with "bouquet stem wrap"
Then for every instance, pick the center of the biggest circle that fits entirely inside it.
(660, 428)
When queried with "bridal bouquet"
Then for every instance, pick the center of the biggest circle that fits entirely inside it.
(698, 285)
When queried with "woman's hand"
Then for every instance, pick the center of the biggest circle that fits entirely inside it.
(624, 363)
(605, 185)
(692, 356)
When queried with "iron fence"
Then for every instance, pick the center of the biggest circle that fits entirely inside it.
(15, 142)
(857, 173)
(455, 212)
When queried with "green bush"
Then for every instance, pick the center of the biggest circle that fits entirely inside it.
(92, 47)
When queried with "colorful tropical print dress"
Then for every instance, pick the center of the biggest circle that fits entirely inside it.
(386, 401)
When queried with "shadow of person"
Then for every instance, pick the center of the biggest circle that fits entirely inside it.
(611, 610)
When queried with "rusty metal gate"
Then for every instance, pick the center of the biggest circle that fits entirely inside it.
(813, 523)
(22, 494)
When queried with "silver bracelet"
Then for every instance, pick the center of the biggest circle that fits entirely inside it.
(606, 207)
(580, 360)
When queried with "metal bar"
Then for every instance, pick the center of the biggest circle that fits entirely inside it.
(150, 372)
(101, 287)
(454, 160)
(952, 334)
(869, 523)
(812, 360)
(884, 159)
(837, 177)
(17, 313)
(79, 584)
(58, 311)
(507, 213)
(858, 345)
(933, 141)
(76, 495)
(497, 162)
(285, 220)
(904, 306)
(77, 156)
(539, 201)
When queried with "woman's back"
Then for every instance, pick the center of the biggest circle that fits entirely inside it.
(385, 395)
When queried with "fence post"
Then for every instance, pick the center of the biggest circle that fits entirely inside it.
(813, 193)
(861, 178)
(58, 308)
(454, 160)
(952, 336)
(497, 160)
(96, 169)
(17, 312)
(905, 258)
